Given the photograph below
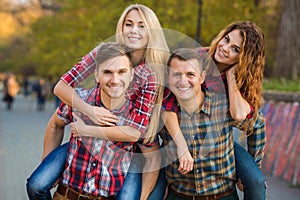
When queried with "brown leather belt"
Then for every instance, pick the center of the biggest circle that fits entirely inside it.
(206, 197)
(74, 195)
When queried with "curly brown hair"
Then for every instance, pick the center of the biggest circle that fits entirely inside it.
(249, 74)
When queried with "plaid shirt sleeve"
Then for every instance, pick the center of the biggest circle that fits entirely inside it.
(257, 140)
(169, 101)
(82, 69)
(64, 113)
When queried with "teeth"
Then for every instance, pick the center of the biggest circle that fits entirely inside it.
(135, 39)
(184, 89)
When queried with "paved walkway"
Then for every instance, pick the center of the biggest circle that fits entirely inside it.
(21, 143)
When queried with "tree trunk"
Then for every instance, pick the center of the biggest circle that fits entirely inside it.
(287, 61)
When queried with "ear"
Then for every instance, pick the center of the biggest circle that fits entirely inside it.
(203, 76)
(97, 76)
(131, 74)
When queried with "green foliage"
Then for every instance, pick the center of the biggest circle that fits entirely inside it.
(281, 85)
(58, 40)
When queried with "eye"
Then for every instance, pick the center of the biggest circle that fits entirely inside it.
(227, 39)
(122, 72)
(128, 24)
(176, 75)
(190, 74)
(236, 49)
(141, 26)
(107, 72)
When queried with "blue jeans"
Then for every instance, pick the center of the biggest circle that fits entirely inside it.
(247, 170)
(48, 172)
(251, 176)
(131, 189)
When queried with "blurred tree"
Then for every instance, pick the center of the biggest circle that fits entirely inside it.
(68, 29)
(288, 50)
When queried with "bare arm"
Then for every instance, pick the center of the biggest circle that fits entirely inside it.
(151, 170)
(97, 114)
(186, 161)
(239, 107)
(116, 133)
(53, 135)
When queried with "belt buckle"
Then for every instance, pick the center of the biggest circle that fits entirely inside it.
(82, 196)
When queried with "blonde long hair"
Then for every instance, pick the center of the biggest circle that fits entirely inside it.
(249, 74)
(156, 56)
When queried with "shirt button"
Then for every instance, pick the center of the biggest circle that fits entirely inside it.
(198, 171)
(94, 164)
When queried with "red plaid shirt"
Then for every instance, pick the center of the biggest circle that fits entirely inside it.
(143, 89)
(93, 165)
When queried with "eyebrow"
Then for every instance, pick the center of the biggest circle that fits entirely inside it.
(121, 69)
(129, 20)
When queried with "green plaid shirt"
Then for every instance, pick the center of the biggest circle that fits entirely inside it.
(208, 133)
(257, 140)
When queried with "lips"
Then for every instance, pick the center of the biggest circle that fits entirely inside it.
(221, 54)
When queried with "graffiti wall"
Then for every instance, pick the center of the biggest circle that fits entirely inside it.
(282, 153)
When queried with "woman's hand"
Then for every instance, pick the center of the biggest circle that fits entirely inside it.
(240, 185)
(102, 116)
(77, 126)
(230, 73)
(186, 162)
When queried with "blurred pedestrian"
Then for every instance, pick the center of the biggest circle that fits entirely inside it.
(11, 89)
(26, 85)
(42, 90)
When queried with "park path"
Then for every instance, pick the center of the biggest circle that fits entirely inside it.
(21, 143)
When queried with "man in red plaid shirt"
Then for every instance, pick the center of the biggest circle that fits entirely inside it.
(97, 162)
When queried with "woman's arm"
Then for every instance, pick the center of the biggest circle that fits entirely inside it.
(116, 133)
(186, 161)
(239, 107)
(64, 89)
(98, 115)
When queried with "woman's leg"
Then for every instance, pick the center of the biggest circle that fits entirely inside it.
(48, 172)
(159, 190)
(251, 176)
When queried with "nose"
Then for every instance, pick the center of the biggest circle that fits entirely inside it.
(183, 80)
(226, 48)
(134, 29)
(115, 78)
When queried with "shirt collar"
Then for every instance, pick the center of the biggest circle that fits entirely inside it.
(206, 107)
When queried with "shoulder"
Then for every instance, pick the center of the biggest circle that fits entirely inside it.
(84, 93)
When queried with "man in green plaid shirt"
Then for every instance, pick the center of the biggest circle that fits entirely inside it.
(207, 127)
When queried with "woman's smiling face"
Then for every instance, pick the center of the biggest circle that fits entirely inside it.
(134, 30)
(228, 48)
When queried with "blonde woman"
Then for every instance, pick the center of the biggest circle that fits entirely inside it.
(139, 29)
